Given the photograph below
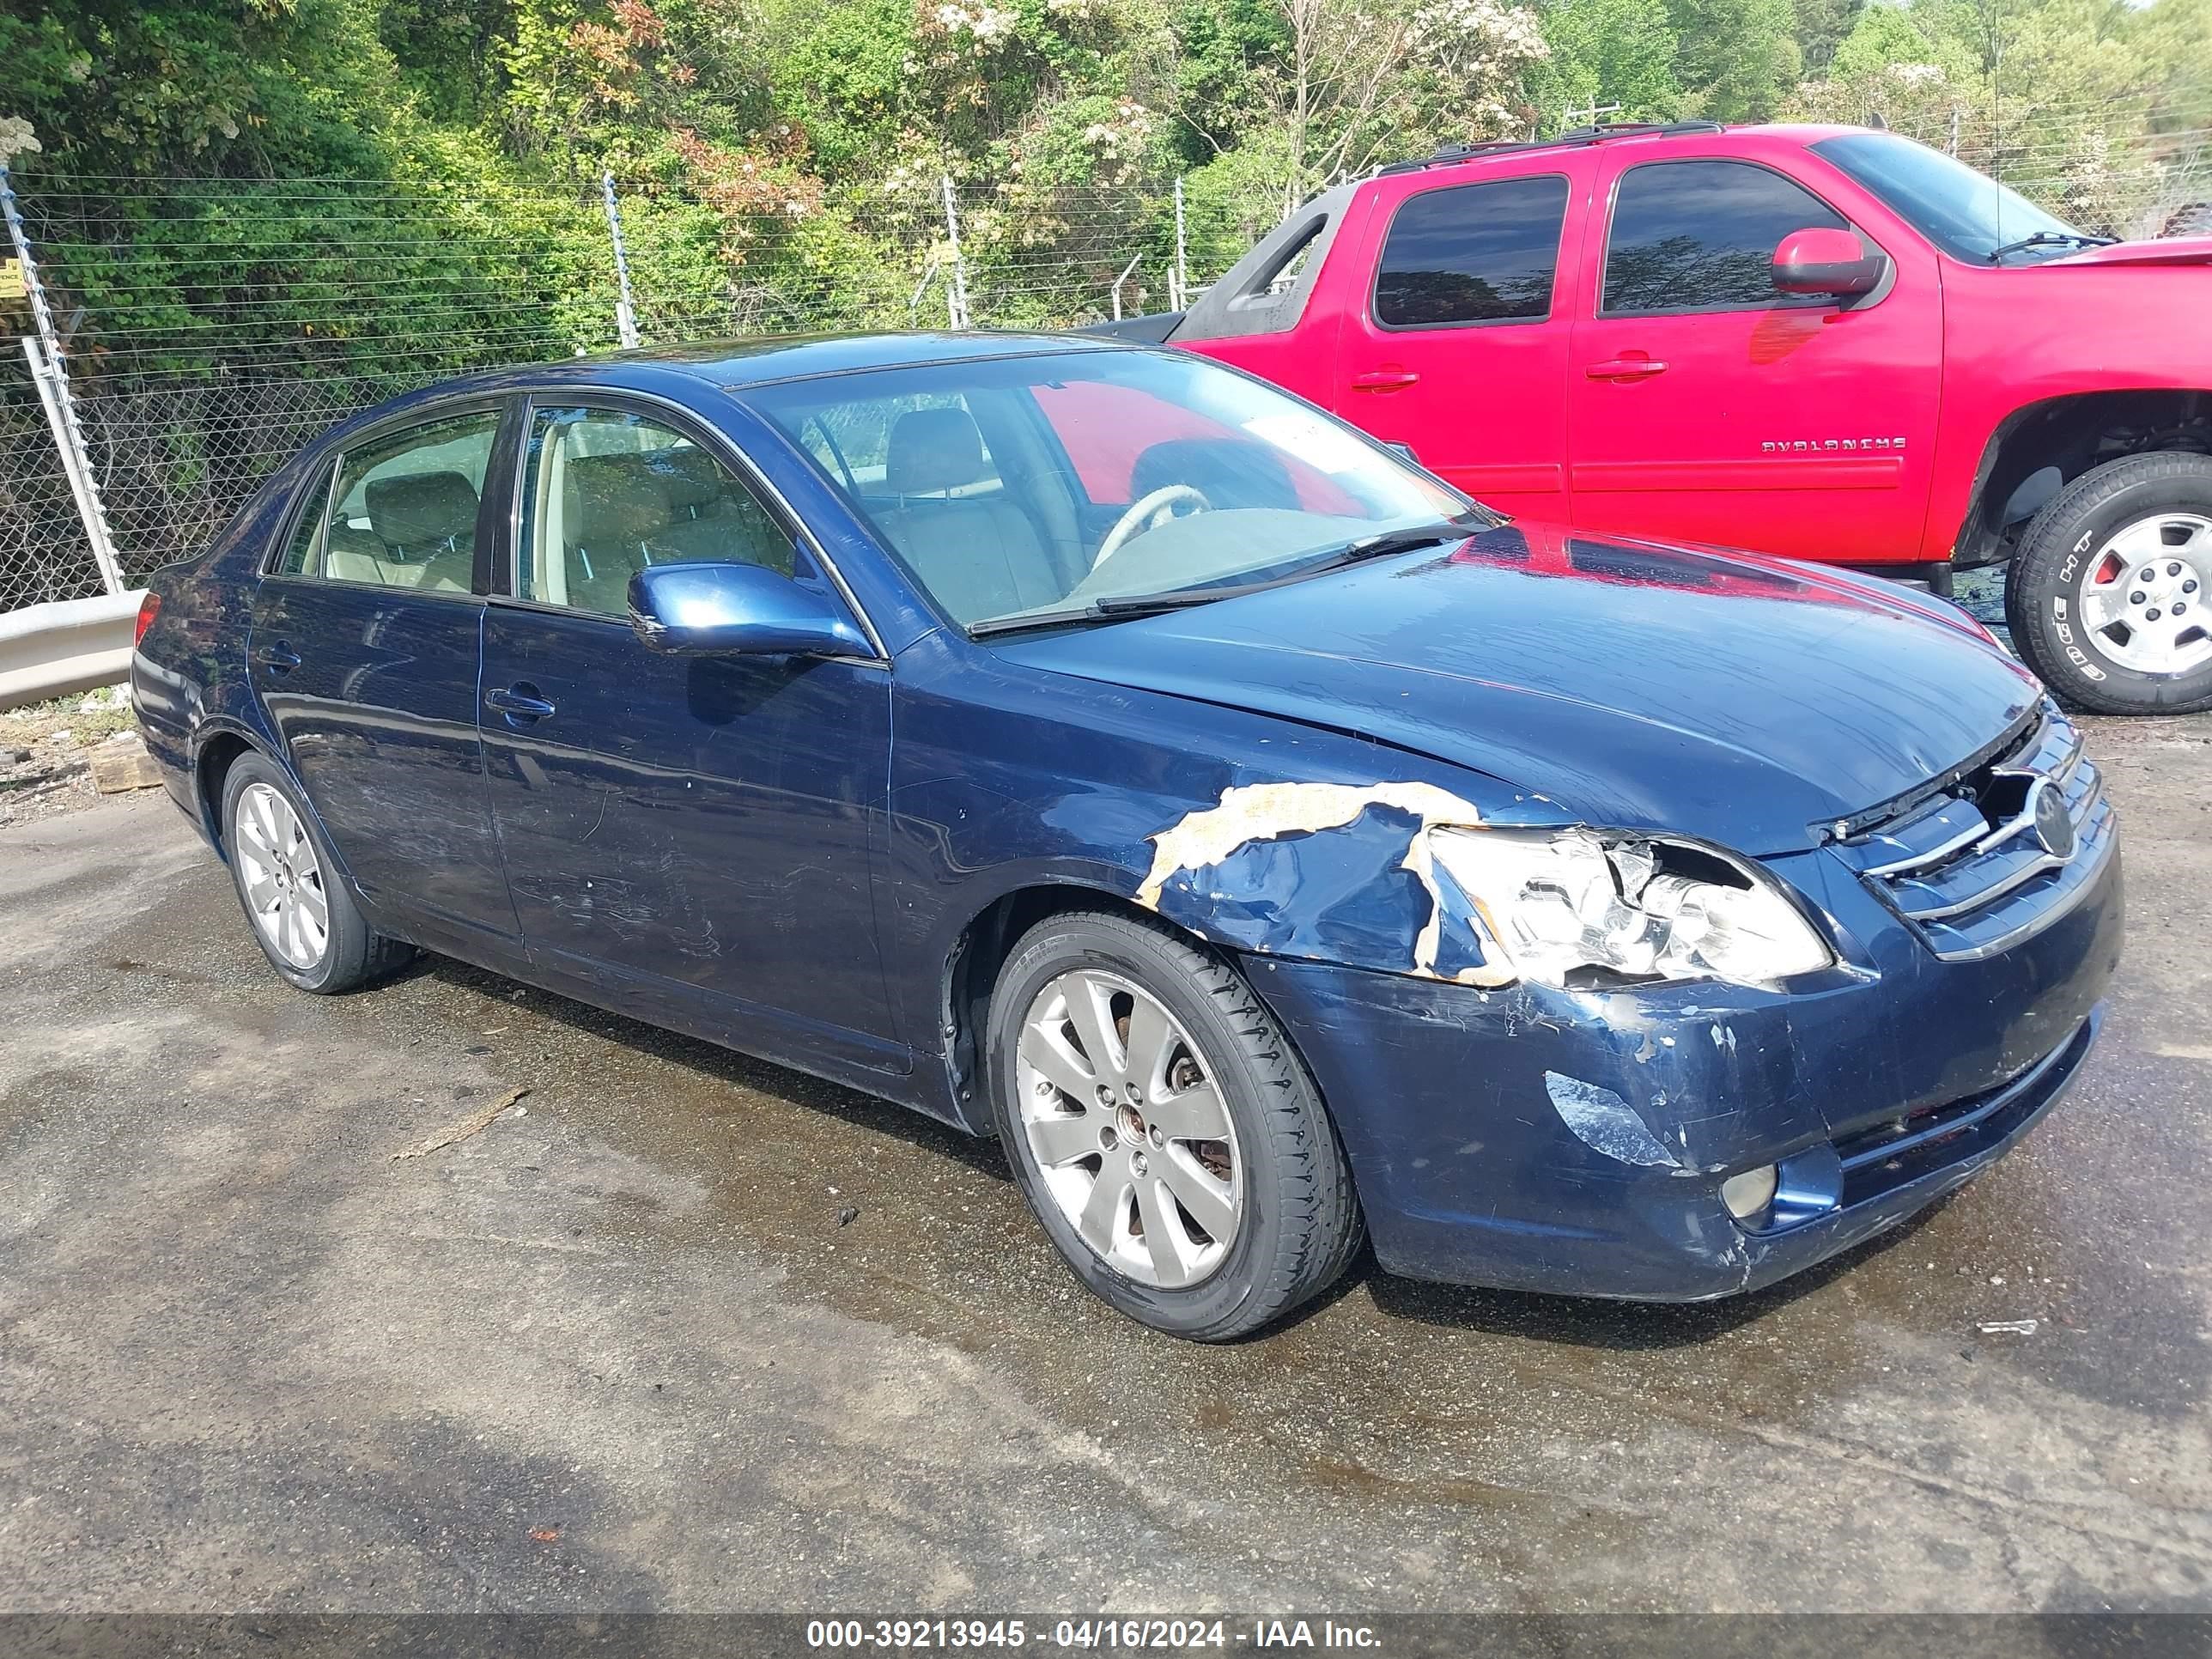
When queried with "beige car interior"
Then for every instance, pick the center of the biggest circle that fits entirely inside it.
(612, 511)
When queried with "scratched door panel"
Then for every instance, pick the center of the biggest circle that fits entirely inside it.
(689, 837)
(374, 691)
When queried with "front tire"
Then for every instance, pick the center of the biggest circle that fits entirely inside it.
(1163, 1131)
(2107, 597)
(302, 917)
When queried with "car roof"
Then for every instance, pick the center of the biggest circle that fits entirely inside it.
(734, 364)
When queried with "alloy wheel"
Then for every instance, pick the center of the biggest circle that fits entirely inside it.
(1126, 1120)
(281, 877)
(2142, 596)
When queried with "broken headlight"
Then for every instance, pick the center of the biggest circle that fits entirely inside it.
(1572, 907)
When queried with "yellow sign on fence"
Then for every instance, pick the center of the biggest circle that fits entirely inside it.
(11, 280)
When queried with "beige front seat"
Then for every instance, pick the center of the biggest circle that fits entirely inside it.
(978, 554)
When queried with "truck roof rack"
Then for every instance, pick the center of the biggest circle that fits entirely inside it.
(1447, 154)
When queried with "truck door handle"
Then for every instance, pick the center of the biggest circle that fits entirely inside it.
(279, 659)
(519, 702)
(1635, 365)
(1384, 380)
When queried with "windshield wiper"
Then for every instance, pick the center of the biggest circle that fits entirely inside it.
(1124, 607)
(2049, 239)
(1385, 543)
(1121, 607)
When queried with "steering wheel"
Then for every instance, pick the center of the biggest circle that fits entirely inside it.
(1150, 513)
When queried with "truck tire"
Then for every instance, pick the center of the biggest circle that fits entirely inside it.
(2107, 597)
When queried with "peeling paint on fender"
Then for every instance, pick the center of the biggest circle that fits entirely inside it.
(1267, 812)
(1602, 1120)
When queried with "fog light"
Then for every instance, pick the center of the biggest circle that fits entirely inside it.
(1747, 1194)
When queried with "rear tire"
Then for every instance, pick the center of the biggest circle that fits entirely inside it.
(2099, 633)
(295, 903)
(1202, 1119)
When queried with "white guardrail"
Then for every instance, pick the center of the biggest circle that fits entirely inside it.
(67, 645)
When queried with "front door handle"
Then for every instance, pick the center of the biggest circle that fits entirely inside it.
(519, 702)
(1632, 366)
(1384, 380)
(278, 659)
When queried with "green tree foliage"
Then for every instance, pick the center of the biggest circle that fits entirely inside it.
(2096, 107)
(1821, 26)
(1736, 59)
(1608, 51)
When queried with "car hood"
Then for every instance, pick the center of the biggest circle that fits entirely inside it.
(2168, 251)
(1745, 701)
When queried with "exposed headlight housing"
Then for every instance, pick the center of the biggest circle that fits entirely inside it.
(1578, 905)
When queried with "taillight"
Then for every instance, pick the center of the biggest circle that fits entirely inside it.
(148, 608)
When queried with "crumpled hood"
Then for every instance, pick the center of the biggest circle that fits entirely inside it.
(1742, 699)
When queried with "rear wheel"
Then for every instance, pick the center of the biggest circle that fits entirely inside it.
(2107, 596)
(1162, 1129)
(303, 918)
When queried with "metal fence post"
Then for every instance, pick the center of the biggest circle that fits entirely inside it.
(1120, 280)
(1179, 298)
(50, 373)
(625, 312)
(956, 292)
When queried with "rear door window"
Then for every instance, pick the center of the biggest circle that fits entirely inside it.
(1472, 253)
(403, 513)
(1700, 236)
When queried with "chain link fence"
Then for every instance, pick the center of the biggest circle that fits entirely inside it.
(211, 327)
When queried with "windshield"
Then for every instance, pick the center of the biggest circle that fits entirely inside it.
(1053, 482)
(1964, 212)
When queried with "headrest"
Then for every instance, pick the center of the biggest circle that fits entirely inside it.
(687, 474)
(616, 505)
(932, 450)
(1230, 472)
(420, 512)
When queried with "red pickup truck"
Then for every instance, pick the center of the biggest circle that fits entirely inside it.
(1820, 341)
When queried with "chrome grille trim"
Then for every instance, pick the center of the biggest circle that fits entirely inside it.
(1972, 886)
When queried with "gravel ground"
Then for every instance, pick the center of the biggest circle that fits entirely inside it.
(44, 753)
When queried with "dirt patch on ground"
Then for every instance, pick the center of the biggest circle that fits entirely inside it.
(45, 753)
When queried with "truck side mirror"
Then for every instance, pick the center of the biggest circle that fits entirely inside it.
(1827, 261)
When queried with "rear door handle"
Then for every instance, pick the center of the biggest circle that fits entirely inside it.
(1634, 366)
(1384, 380)
(519, 702)
(279, 659)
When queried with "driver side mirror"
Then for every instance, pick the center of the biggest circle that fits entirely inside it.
(1827, 261)
(738, 610)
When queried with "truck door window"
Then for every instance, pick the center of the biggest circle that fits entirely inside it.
(1701, 236)
(1472, 253)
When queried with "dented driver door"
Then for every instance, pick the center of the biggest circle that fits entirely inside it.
(689, 837)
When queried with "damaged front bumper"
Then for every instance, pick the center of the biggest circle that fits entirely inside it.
(1576, 1142)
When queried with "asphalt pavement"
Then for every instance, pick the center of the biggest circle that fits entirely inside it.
(689, 1332)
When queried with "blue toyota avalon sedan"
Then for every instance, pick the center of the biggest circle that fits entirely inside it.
(1099, 749)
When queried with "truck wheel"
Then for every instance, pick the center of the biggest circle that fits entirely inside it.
(2108, 595)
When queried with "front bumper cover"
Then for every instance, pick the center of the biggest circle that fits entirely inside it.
(1575, 1142)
